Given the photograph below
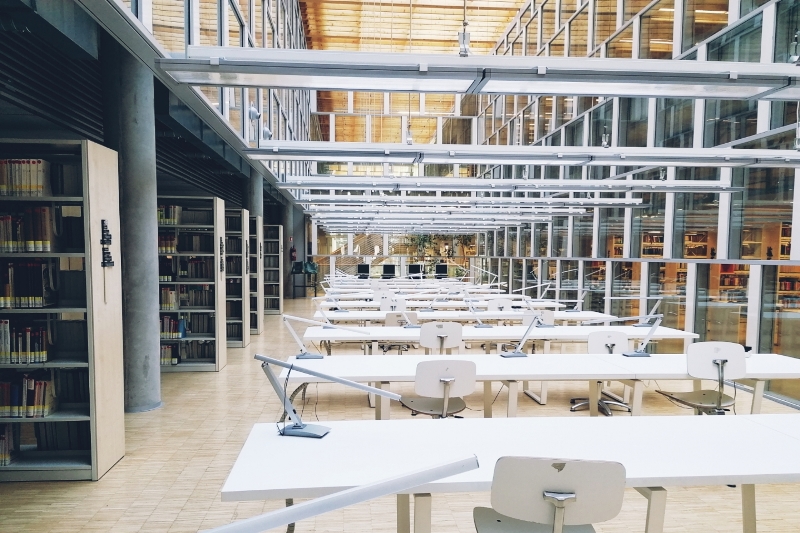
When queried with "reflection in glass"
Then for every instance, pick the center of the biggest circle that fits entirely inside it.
(761, 215)
(622, 44)
(594, 282)
(743, 43)
(674, 123)
(625, 288)
(786, 31)
(578, 29)
(605, 20)
(560, 235)
(655, 40)
(696, 217)
(582, 234)
(702, 19)
(721, 313)
(532, 36)
(668, 280)
(633, 122)
(780, 321)
(612, 228)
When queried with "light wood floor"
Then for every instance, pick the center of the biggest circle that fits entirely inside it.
(179, 456)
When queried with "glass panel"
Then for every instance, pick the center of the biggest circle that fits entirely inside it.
(656, 31)
(532, 36)
(531, 278)
(622, 44)
(560, 232)
(582, 233)
(722, 302)
(168, 21)
(762, 214)
(696, 217)
(573, 133)
(332, 101)
(423, 129)
(605, 20)
(234, 27)
(612, 228)
(528, 125)
(457, 131)
(440, 104)
(674, 123)
(702, 19)
(500, 249)
(782, 114)
(632, 7)
(548, 11)
(540, 240)
(367, 103)
(212, 93)
(386, 129)
(625, 290)
(751, 5)
(403, 103)
(235, 107)
(601, 124)
(578, 34)
(569, 282)
(594, 281)
(729, 120)
(525, 241)
(633, 122)
(743, 43)
(557, 45)
(786, 31)
(780, 312)
(512, 242)
(351, 128)
(208, 22)
(545, 115)
(668, 280)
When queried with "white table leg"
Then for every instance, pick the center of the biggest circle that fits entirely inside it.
(749, 508)
(382, 407)
(422, 513)
(656, 508)
(636, 403)
(594, 396)
(541, 397)
(525, 385)
(546, 348)
(487, 399)
(513, 393)
(403, 513)
(374, 348)
(758, 395)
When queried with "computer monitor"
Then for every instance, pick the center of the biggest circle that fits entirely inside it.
(388, 272)
(441, 270)
(415, 271)
(363, 271)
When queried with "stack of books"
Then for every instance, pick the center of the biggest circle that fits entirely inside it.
(24, 177)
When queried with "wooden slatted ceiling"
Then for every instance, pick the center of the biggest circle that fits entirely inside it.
(383, 25)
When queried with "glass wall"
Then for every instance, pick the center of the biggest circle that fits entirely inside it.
(780, 321)
(696, 217)
(721, 313)
(633, 122)
(702, 19)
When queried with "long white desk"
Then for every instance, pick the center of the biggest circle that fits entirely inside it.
(460, 316)
(657, 452)
(374, 335)
(441, 304)
(592, 368)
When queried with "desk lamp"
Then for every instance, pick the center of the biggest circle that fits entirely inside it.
(536, 322)
(346, 498)
(305, 354)
(298, 428)
(639, 352)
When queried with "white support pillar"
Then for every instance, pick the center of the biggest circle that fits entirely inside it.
(595, 233)
(669, 217)
(724, 218)
(314, 233)
(385, 244)
(609, 283)
(794, 254)
(768, 27)
(349, 244)
(754, 306)
(644, 287)
(691, 297)
(677, 28)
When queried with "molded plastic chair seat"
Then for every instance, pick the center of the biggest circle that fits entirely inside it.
(699, 399)
(487, 520)
(433, 406)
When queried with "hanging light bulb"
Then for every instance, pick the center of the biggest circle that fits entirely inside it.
(662, 173)
(409, 138)
(794, 54)
(605, 138)
(253, 112)
(463, 36)
(266, 133)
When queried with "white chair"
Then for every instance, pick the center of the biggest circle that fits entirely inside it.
(397, 319)
(393, 304)
(534, 495)
(717, 361)
(440, 336)
(440, 387)
(600, 342)
(499, 304)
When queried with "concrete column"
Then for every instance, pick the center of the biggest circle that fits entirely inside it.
(139, 239)
(254, 194)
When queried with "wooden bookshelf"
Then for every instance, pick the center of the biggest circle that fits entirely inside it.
(79, 318)
(273, 270)
(696, 245)
(256, 275)
(192, 283)
(652, 245)
(786, 240)
(237, 277)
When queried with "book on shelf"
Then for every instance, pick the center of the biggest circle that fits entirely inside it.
(174, 215)
(195, 242)
(233, 265)
(9, 443)
(26, 230)
(62, 436)
(21, 343)
(167, 243)
(28, 283)
(172, 328)
(168, 299)
(233, 222)
(187, 352)
(27, 395)
(24, 177)
(234, 331)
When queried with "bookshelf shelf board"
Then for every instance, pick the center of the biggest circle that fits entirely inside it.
(272, 297)
(71, 414)
(41, 310)
(190, 338)
(188, 254)
(271, 268)
(60, 199)
(253, 275)
(53, 363)
(192, 282)
(49, 463)
(233, 320)
(186, 226)
(234, 233)
(233, 298)
(189, 367)
(233, 276)
(22, 255)
(189, 310)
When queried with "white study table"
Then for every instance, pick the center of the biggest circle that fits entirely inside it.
(592, 368)
(441, 304)
(658, 452)
(515, 315)
(374, 334)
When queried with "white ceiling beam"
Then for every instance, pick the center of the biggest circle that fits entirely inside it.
(369, 71)
(522, 155)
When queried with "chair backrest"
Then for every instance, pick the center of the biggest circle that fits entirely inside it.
(393, 304)
(607, 342)
(397, 319)
(499, 304)
(700, 358)
(428, 380)
(519, 483)
(430, 331)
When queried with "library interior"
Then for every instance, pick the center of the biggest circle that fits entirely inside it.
(506, 225)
